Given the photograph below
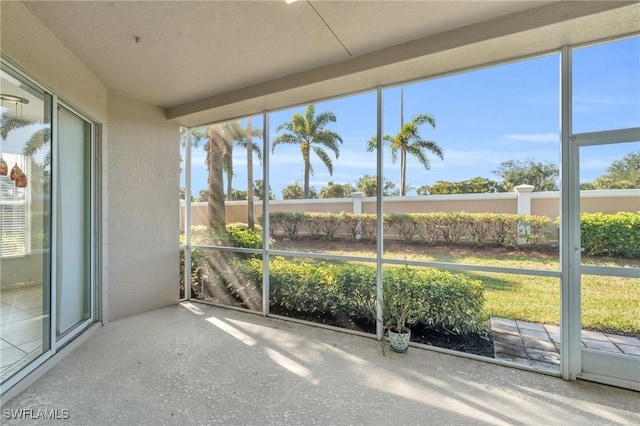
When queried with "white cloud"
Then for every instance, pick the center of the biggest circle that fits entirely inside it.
(534, 137)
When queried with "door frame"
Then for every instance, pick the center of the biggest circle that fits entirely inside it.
(58, 342)
(601, 366)
(575, 361)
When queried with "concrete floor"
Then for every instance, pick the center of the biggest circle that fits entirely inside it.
(197, 364)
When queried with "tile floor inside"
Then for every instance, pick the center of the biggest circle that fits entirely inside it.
(21, 328)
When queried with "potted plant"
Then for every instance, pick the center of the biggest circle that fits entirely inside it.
(399, 303)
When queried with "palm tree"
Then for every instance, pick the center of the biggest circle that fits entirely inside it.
(250, 133)
(409, 141)
(38, 140)
(308, 131)
(238, 135)
(218, 139)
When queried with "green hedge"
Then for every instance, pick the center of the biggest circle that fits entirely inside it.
(237, 235)
(240, 235)
(449, 228)
(438, 299)
(611, 234)
(322, 291)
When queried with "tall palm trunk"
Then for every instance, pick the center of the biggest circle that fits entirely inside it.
(216, 211)
(307, 191)
(403, 172)
(305, 148)
(229, 148)
(250, 207)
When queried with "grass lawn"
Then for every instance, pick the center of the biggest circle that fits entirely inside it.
(609, 304)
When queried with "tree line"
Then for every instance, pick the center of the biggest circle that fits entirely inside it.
(310, 133)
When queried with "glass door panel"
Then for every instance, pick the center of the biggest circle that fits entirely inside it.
(73, 221)
(25, 154)
(610, 261)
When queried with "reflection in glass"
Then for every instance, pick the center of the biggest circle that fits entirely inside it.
(25, 130)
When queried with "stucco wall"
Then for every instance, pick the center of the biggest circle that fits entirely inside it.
(31, 46)
(141, 158)
(143, 186)
(542, 204)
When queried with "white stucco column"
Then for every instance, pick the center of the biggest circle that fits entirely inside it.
(524, 207)
(357, 202)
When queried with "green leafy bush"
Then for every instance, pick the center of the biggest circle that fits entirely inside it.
(289, 223)
(322, 290)
(236, 235)
(403, 225)
(359, 226)
(453, 302)
(196, 269)
(611, 234)
(444, 301)
(240, 235)
(503, 230)
(356, 296)
(401, 298)
(302, 287)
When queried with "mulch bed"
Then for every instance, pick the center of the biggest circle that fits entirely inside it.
(471, 344)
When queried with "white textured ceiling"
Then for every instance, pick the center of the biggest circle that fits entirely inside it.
(190, 56)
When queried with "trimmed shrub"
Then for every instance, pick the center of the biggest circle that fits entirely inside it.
(611, 234)
(240, 235)
(237, 235)
(359, 226)
(322, 291)
(451, 225)
(291, 223)
(427, 227)
(356, 291)
(322, 224)
(403, 225)
(502, 230)
(302, 287)
(447, 302)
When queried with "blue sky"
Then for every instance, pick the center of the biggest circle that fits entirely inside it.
(484, 117)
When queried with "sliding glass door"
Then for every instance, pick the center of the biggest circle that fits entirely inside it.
(73, 221)
(47, 256)
(601, 258)
(25, 173)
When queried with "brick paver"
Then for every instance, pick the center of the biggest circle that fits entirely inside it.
(537, 345)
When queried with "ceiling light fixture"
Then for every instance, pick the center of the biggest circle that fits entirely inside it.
(13, 99)
(290, 1)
